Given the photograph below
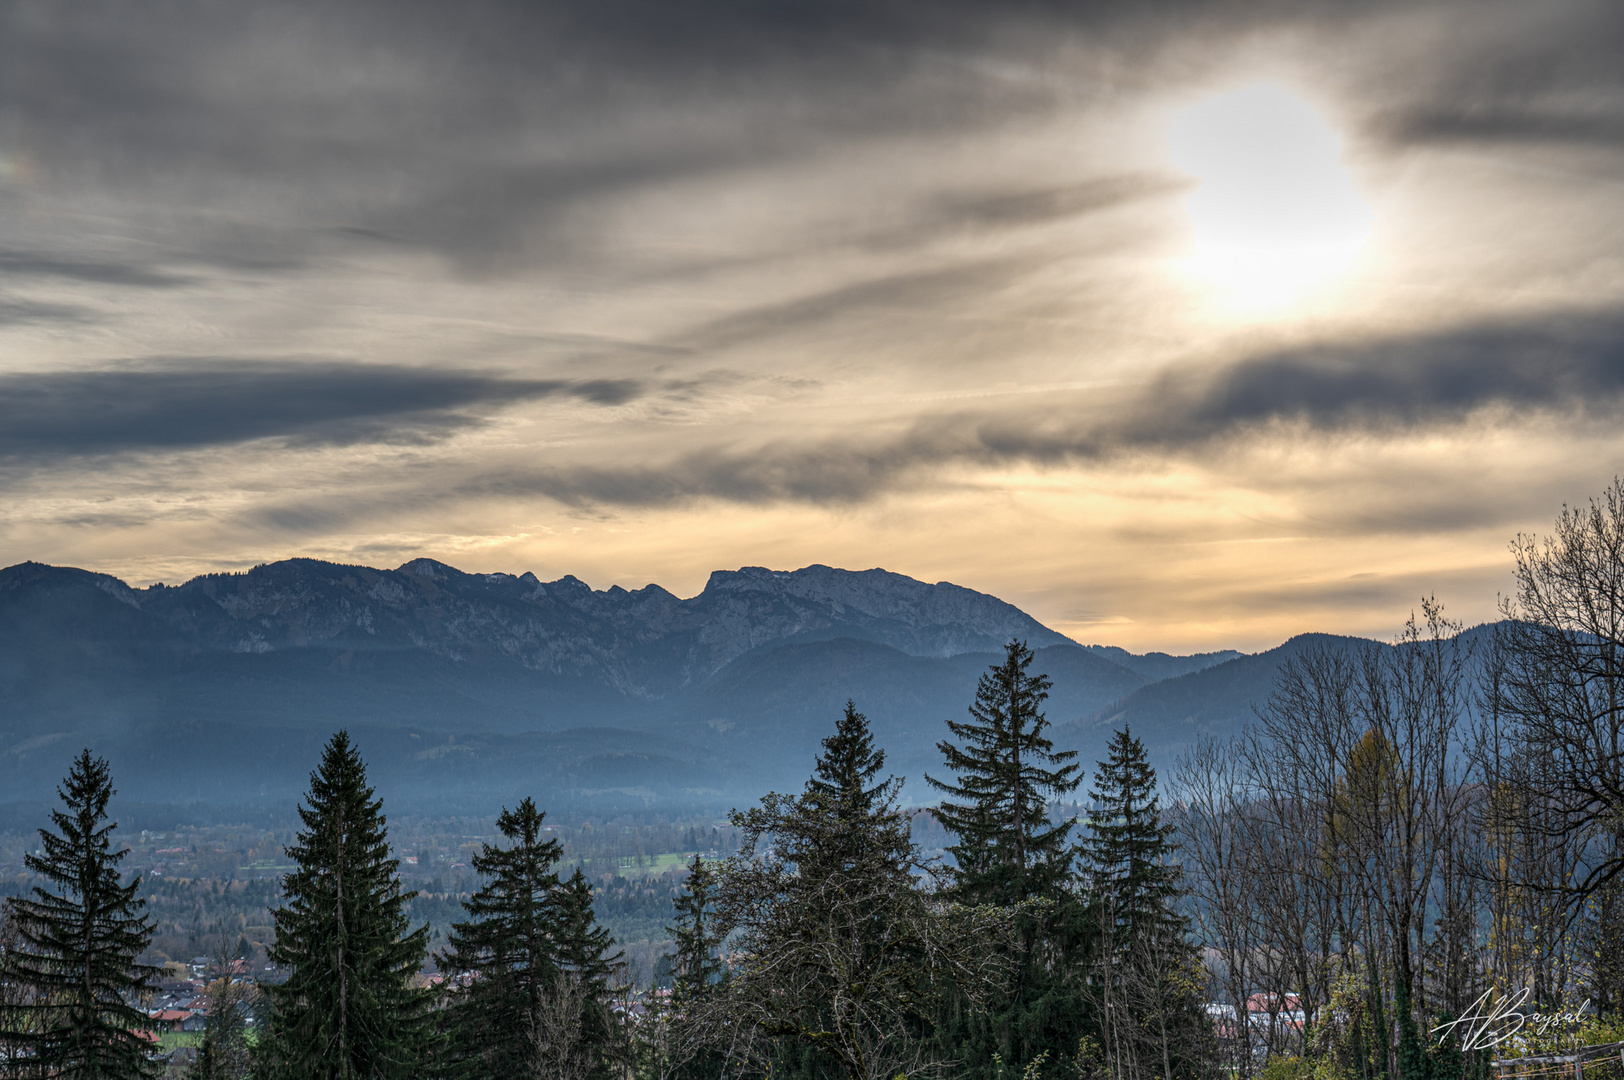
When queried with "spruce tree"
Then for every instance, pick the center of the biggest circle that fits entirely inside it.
(845, 785)
(348, 1009)
(696, 965)
(507, 946)
(1007, 851)
(1147, 975)
(590, 968)
(76, 949)
(697, 974)
(840, 959)
(1128, 852)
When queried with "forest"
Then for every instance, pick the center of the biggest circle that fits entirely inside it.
(1408, 868)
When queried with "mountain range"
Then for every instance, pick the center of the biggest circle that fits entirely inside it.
(467, 689)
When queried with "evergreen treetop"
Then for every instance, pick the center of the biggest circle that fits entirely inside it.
(844, 787)
(348, 1008)
(696, 964)
(1127, 850)
(590, 968)
(839, 960)
(508, 946)
(77, 948)
(1007, 850)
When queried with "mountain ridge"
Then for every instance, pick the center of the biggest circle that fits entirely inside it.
(199, 683)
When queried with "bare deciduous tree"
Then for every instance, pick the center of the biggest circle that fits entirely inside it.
(1557, 678)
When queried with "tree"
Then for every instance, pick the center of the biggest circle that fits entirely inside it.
(838, 951)
(589, 978)
(76, 949)
(1557, 677)
(673, 1043)
(1224, 856)
(1127, 850)
(507, 947)
(16, 1028)
(1146, 965)
(1006, 851)
(224, 1053)
(697, 967)
(348, 1008)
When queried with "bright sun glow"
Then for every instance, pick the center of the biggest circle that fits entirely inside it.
(1275, 213)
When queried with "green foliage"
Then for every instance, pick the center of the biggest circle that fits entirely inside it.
(697, 971)
(1146, 975)
(1006, 850)
(840, 960)
(76, 947)
(590, 971)
(507, 945)
(1127, 851)
(348, 1008)
(697, 966)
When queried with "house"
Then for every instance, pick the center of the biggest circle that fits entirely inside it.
(197, 1021)
(168, 1019)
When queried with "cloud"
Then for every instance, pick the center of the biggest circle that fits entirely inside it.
(1572, 367)
(197, 402)
(29, 264)
(922, 290)
(1568, 364)
(18, 312)
(1511, 125)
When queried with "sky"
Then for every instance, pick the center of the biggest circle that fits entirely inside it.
(1180, 325)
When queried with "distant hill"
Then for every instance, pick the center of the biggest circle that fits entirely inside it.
(1171, 715)
(1160, 665)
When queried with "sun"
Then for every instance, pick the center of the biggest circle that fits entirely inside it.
(1275, 213)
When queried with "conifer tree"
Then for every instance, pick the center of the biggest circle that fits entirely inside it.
(840, 958)
(697, 973)
(1128, 852)
(843, 780)
(76, 949)
(696, 966)
(348, 1009)
(590, 969)
(1147, 974)
(1006, 851)
(507, 946)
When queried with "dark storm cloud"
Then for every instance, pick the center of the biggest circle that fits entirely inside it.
(1573, 369)
(198, 403)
